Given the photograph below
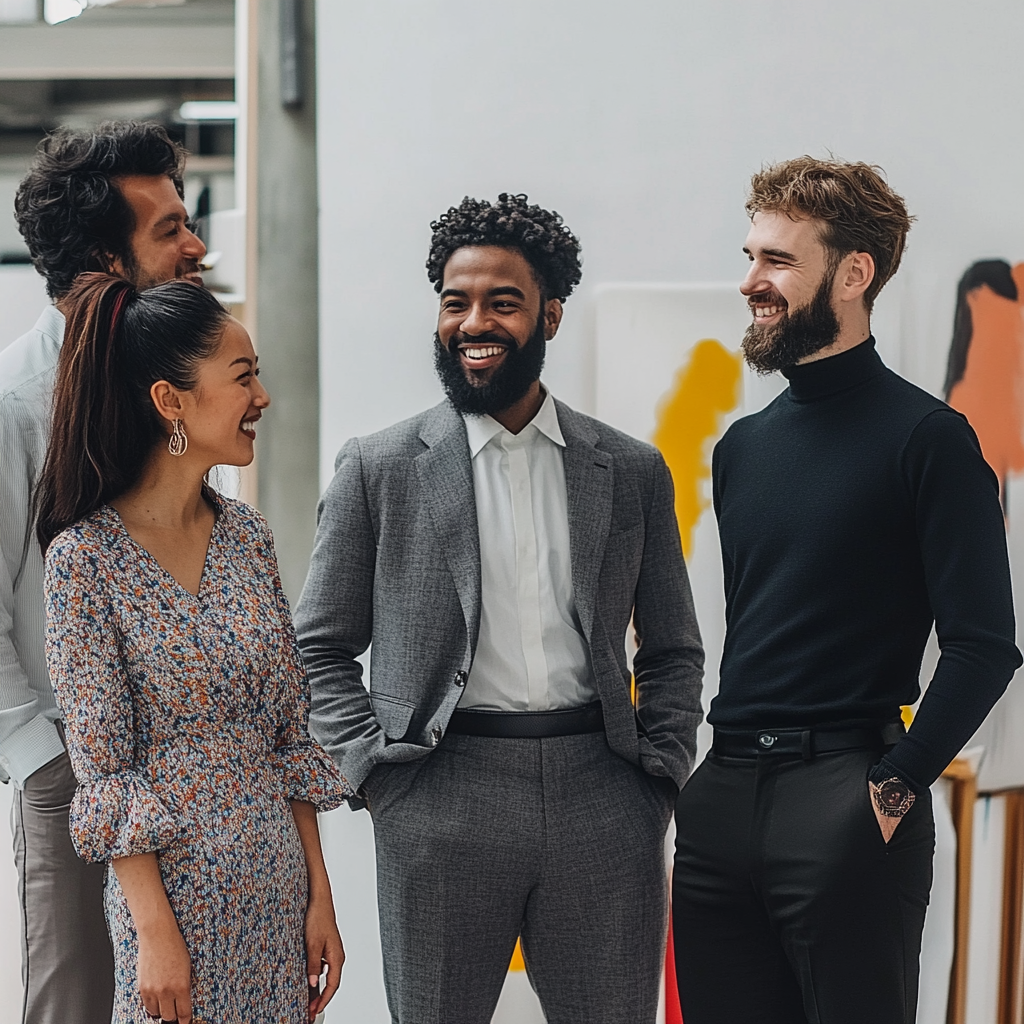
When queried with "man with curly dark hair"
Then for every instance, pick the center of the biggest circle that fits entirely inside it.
(109, 199)
(495, 550)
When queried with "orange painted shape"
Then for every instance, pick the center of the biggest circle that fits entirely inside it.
(689, 420)
(518, 964)
(991, 392)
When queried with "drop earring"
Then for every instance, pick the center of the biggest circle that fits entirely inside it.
(178, 442)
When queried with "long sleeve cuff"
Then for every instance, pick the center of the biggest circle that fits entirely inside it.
(309, 774)
(120, 816)
(27, 749)
(885, 769)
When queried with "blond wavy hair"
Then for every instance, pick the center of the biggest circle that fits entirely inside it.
(859, 211)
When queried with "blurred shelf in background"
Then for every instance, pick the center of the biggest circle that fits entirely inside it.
(116, 62)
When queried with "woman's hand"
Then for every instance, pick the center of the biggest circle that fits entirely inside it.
(165, 970)
(323, 946)
(165, 974)
(323, 942)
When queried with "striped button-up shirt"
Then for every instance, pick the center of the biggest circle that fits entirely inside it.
(28, 735)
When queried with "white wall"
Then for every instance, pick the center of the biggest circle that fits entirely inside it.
(641, 124)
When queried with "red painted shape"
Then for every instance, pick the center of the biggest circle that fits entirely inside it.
(673, 1011)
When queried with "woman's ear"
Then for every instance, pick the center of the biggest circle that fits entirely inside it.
(167, 401)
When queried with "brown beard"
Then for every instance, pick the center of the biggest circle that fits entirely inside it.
(800, 333)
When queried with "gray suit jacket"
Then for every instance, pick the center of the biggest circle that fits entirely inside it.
(397, 564)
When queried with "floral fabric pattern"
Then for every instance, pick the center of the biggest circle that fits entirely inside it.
(186, 721)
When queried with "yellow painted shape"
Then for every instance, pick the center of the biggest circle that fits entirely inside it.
(689, 421)
(518, 964)
(907, 714)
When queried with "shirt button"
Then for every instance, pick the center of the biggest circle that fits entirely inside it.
(435, 736)
(460, 678)
(766, 739)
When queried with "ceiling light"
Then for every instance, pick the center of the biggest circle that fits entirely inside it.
(208, 110)
(56, 11)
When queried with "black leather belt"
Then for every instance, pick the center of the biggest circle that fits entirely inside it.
(805, 743)
(528, 725)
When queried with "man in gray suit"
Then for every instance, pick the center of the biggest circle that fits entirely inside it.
(495, 550)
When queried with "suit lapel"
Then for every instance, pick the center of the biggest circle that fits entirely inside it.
(446, 477)
(589, 483)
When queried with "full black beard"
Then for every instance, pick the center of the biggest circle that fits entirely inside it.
(798, 334)
(506, 386)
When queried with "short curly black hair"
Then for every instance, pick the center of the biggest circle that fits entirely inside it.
(71, 213)
(550, 248)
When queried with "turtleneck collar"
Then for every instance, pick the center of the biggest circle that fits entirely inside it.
(810, 381)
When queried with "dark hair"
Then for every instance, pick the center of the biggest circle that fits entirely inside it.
(550, 248)
(118, 342)
(861, 212)
(998, 275)
(71, 213)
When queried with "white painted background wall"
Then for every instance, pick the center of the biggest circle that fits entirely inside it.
(641, 123)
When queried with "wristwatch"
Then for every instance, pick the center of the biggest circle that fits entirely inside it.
(893, 797)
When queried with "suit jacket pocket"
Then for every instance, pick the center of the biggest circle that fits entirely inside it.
(629, 538)
(393, 714)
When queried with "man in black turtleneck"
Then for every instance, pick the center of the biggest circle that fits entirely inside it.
(854, 512)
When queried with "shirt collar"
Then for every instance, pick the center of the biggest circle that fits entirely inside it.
(481, 429)
(51, 324)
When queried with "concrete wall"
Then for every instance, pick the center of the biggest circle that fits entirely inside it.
(286, 298)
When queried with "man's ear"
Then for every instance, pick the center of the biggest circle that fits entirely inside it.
(167, 401)
(552, 318)
(856, 273)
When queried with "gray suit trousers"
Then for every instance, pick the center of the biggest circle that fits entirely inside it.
(67, 962)
(558, 840)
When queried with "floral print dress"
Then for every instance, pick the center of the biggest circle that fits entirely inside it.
(186, 721)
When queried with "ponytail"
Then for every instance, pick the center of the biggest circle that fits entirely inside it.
(118, 342)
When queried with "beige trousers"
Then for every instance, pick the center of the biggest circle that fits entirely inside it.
(67, 966)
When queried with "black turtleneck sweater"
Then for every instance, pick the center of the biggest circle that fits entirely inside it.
(854, 511)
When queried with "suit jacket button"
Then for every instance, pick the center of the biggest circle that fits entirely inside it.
(460, 678)
(435, 736)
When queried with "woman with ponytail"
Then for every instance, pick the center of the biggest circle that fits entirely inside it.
(172, 655)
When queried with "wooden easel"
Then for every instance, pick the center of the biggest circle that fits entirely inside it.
(964, 782)
(963, 778)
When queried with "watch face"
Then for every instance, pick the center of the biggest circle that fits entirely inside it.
(894, 797)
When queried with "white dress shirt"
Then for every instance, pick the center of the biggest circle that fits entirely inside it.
(531, 654)
(28, 735)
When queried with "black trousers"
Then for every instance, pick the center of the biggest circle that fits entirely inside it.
(788, 906)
